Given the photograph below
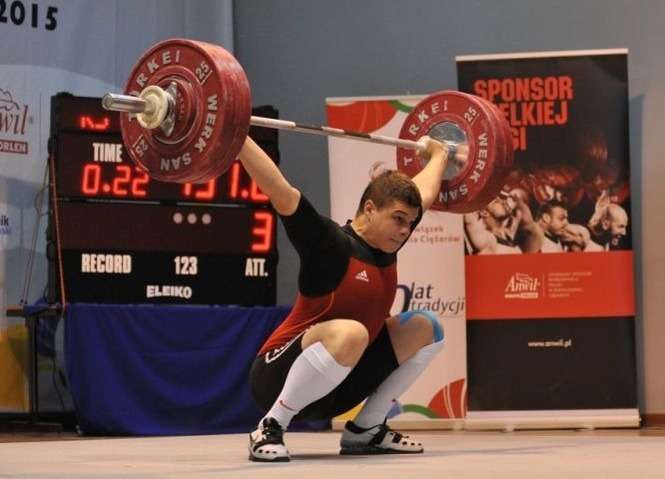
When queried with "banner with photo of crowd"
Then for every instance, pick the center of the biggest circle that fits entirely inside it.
(549, 262)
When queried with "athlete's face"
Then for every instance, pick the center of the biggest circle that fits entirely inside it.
(391, 225)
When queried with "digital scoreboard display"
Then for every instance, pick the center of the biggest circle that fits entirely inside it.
(128, 238)
(99, 167)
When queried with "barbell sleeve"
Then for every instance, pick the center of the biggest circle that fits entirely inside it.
(124, 103)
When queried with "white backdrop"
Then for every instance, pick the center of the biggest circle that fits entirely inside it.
(430, 266)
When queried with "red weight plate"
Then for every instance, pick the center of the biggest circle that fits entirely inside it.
(498, 178)
(503, 121)
(202, 131)
(505, 166)
(238, 109)
(461, 193)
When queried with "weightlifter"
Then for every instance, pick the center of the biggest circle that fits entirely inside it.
(339, 345)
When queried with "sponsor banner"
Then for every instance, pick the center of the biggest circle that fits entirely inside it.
(13, 124)
(549, 261)
(430, 265)
(564, 285)
(569, 188)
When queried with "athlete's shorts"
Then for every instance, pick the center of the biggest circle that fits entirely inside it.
(269, 372)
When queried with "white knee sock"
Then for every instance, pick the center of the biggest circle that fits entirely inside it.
(312, 375)
(378, 404)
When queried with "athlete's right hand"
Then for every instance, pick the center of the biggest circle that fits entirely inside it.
(432, 147)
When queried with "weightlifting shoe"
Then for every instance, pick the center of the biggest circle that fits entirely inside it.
(266, 443)
(379, 439)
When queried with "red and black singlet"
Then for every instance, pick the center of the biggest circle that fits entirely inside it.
(341, 277)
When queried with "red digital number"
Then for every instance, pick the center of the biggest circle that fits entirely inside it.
(124, 184)
(253, 194)
(139, 183)
(262, 233)
(206, 193)
(125, 173)
(88, 123)
(234, 182)
(91, 179)
(256, 194)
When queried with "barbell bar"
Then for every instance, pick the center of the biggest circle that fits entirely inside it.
(147, 111)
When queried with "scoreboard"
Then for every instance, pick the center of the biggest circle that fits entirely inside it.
(128, 238)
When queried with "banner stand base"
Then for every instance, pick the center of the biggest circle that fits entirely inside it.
(507, 421)
(570, 419)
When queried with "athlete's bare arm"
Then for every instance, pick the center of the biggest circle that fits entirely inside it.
(428, 180)
(283, 196)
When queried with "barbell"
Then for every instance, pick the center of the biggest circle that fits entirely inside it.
(186, 112)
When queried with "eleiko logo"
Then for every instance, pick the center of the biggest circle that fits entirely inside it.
(164, 291)
(522, 286)
(13, 120)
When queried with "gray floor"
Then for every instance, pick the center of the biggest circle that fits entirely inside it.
(469, 455)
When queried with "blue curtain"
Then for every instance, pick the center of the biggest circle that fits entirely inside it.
(157, 370)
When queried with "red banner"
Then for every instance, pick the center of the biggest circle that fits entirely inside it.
(560, 285)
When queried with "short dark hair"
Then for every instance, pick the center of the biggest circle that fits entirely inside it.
(391, 185)
(547, 207)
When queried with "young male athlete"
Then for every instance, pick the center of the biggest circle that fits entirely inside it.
(339, 345)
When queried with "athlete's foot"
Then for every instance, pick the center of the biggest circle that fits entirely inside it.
(266, 443)
(379, 439)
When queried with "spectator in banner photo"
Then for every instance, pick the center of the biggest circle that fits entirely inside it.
(504, 226)
(552, 222)
(606, 228)
(339, 345)
(608, 224)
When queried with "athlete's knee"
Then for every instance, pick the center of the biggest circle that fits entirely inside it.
(426, 319)
(352, 336)
(345, 340)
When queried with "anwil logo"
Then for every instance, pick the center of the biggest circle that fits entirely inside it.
(13, 119)
(522, 286)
